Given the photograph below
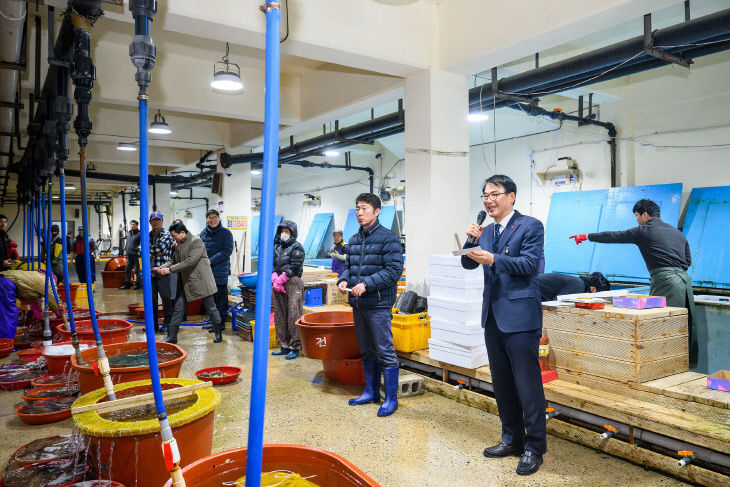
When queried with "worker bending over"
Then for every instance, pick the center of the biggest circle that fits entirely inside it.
(554, 284)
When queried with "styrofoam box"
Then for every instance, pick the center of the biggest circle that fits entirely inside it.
(455, 310)
(472, 282)
(469, 295)
(445, 352)
(450, 266)
(457, 333)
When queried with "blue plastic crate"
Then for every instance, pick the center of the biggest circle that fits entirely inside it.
(313, 297)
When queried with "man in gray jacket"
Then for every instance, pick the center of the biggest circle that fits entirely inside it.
(194, 280)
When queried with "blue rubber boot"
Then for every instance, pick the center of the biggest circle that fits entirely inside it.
(390, 384)
(283, 351)
(371, 394)
(292, 354)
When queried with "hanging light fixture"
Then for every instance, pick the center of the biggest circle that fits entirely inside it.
(477, 116)
(159, 125)
(126, 146)
(226, 75)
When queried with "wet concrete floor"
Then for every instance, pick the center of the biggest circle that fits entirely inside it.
(429, 441)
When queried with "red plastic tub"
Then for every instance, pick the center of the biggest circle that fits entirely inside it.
(90, 381)
(98, 483)
(29, 355)
(22, 383)
(23, 455)
(6, 346)
(43, 418)
(49, 381)
(194, 307)
(111, 331)
(231, 374)
(57, 321)
(112, 279)
(62, 293)
(116, 263)
(346, 371)
(61, 364)
(46, 472)
(328, 335)
(329, 469)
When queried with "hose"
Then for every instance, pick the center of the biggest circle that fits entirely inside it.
(272, 9)
(143, 54)
(47, 337)
(31, 211)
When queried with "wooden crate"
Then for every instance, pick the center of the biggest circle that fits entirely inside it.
(619, 344)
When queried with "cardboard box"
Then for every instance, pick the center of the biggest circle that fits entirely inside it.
(719, 381)
(640, 301)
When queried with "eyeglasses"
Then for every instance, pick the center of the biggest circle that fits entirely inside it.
(491, 196)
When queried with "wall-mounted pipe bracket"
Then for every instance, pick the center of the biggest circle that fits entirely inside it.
(655, 52)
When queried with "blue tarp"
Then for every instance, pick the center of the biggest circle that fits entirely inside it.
(319, 238)
(596, 211)
(707, 231)
(255, 225)
(8, 308)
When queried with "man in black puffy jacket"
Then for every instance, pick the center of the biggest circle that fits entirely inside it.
(288, 289)
(373, 267)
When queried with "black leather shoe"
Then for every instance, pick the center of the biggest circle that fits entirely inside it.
(218, 338)
(502, 449)
(529, 463)
(126, 286)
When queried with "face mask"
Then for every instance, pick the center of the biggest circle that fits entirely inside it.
(283, 237)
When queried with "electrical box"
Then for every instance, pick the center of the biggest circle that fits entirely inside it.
(563, 172)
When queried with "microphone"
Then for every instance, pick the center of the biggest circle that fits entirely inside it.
(471, 241)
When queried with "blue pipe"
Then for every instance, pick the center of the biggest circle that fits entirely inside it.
(40, 205)
(31, 265)
(266, 246)
(150, 315)
(66, 286)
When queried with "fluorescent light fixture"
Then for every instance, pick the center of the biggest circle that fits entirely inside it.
(126, 146)
(70, 187)
(173, 193)
(331, 153)
(55, 197)
(226, 75)
(159, 125)
(255, 172)
(477, 117)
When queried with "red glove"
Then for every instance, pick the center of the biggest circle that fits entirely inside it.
(579, 238)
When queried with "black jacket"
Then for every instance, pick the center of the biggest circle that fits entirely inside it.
(374, 257)
(289, 255)
(554, 284)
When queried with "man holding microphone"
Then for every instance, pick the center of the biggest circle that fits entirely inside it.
(509, 251)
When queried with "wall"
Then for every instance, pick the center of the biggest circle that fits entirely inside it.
(670, 99)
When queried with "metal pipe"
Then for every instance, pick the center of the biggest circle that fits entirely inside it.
(127, 178)
(207, 201)
(272, 9)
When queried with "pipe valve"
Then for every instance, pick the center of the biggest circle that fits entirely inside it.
(609, 433)
(550, 413)
(686, 458)
(460, 385)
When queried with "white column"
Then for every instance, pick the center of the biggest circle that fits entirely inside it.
(437, 169)
(236, 200)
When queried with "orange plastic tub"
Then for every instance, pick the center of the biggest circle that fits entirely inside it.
(57, 321)
(111, 331)
(346, 371)
(62, 293)
(116, 264)
(194, 307)
(328, 335)
(89, 381)
(61, 364)
(6, 346)
(43, 418)
(129, 450)
(328, 469)
(112, 278)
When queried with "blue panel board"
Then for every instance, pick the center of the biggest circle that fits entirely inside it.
(387, 218)
(351, 225)
(319, 238)
(255, 225)
(318, 262)
(571, 213)
(623, 262)
(707, 231)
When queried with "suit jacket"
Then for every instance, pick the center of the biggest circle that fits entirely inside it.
(510, 284)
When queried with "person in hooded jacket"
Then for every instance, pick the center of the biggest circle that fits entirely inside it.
(288, 288)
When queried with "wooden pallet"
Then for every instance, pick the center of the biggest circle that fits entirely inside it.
(689, 386)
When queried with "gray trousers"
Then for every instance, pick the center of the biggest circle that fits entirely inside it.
(161, 286)
(374, 335)
(288, 308)
(178, 311)
(132, 264)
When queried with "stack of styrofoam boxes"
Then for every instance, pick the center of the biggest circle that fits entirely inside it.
(455, 307)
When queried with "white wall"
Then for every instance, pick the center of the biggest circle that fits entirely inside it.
(666, 99)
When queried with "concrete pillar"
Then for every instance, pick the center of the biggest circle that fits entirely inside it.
(236, 200)
(437, 169)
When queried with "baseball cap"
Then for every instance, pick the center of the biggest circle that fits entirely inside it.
(156, 214)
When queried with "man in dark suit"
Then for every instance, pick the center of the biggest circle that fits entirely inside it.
(509, 251)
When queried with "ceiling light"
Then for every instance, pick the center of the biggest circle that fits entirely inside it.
(173, 193)
(226, 75)
(477, 117)
(159, 125)
(255, 172)
(126, 146)
(69, 187)
(55, 197)
(331, 153)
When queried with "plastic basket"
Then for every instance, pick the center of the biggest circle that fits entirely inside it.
(410, 332)
(273, 342)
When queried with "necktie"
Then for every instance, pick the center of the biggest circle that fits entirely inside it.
(497, 234)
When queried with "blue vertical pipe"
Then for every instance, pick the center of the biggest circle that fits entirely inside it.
(87, 257)
(64, 247)
(38, 226)
(30, 234)
(24, 255)
(149, 313)
(266, 247)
